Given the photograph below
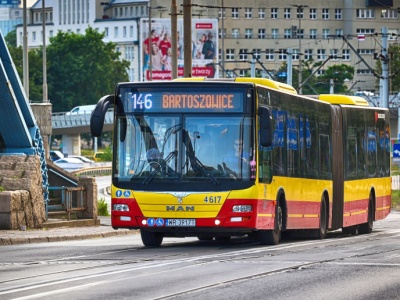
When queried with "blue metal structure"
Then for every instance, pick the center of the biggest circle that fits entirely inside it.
(19, 132)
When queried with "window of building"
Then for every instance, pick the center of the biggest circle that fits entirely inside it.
(321, 54)
(300, 33)
(364, 72)
(287, 33)
(320, 72)
(365, 13)
(346, 54)
(365, 51)
(282, 54)
(130, 31)
(269, 54)
(389, 14)
(286, 13)
(313, 33)
(300, 13)
(313, 13)
(365, 31)
(325, 13)
(106, 32)
(261, 33)
(308, 54)
(248, 13)
(221, 32)
(230, 54)
(261, 13)
(295, 54)
(235, 33)
(392, 34)
(116, 33)
(243, 54)
(325, 33)
(51, 33)
(275, 33)
(338, 13)
(274, 13)
(242, 73)
(334, 53)
(124, 32)
(235, 13)
(257, 53)
(78, 31)
(248, 33)
(338, 32)
(34, 36)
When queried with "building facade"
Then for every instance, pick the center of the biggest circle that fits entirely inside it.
(330, 32)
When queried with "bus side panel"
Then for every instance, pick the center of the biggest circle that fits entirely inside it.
(357, 194)
(303, 200)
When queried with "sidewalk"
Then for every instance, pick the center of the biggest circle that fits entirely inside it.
(56, 231)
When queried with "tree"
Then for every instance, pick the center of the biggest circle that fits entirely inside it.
(394, 67)
(337, 73)
(82, 69)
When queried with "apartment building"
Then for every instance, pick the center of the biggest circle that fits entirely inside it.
(333, 31)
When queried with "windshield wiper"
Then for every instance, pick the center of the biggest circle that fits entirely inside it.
(158, 164)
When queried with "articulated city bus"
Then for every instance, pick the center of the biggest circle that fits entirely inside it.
(216, 159)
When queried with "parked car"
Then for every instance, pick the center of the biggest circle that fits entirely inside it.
(71, 163)
(82, 158)
(56, 155)
(79, 110)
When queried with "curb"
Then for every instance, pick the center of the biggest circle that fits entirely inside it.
(8, 241)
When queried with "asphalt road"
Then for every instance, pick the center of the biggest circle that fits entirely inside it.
(339, 267)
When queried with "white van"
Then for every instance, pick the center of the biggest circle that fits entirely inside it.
(79, 110)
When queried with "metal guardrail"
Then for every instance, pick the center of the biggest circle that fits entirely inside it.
(92, 171)
(64, 120)
(67, 200)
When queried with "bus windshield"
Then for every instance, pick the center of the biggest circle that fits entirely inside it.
(179, 148)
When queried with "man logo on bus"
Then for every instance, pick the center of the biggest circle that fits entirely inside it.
(179, 208)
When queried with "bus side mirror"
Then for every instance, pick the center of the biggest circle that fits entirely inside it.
(265, 126)
(98, 115)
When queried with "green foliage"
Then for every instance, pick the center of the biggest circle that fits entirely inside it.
(2, 189)
(11, 39)
(80, 68)
(102, 207)
(394, 67)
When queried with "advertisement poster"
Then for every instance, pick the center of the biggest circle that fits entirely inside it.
(204, 46)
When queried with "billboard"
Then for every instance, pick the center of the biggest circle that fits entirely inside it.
(204, 48)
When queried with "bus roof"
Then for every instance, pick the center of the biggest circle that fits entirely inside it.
(343, 99)
(261, 81)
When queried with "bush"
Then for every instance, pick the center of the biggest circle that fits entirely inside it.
(102, 207)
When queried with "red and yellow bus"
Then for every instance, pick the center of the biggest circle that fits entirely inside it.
(245, 156)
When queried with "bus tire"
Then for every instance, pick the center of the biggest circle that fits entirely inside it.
(322, 231)
(151, 239)
(205, 238)
(272, 237)
(366, 228)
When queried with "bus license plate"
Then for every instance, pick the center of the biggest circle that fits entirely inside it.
(181, 222)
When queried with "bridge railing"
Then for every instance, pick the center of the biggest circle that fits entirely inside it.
(64, 120)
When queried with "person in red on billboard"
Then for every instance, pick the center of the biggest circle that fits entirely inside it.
(209, 47)
(167, 60)
(198, 47)
(155, 38)
(165, 44)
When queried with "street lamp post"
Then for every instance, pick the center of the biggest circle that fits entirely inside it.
(299, 16)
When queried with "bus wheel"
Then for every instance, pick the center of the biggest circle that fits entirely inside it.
(151, 239)
(323, 221)
(367, 227)
(272, 237)
(205, 238)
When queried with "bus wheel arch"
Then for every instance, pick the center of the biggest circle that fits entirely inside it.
(367, 227)
(273, 236)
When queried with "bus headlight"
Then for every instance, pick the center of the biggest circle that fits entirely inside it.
(242, 208)
(121, 207)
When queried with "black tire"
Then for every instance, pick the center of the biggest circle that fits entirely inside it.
(272, 237)
(322, 231)
(151, 239)
(352, 230)
(205, 238)
(222, 238)
(366, 228)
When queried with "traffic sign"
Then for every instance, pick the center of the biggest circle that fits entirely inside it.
(396, 150)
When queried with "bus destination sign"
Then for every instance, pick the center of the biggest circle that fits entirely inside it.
(188, 101)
